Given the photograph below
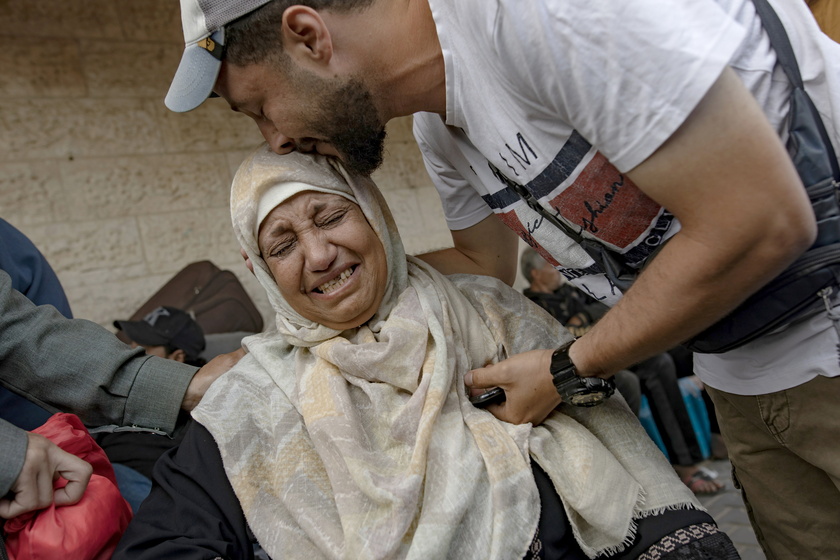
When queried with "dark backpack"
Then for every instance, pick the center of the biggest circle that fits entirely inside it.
(805, 285)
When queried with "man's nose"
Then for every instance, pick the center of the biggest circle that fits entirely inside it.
(278, 142)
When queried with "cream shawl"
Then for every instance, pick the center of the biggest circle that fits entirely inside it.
(363, 443)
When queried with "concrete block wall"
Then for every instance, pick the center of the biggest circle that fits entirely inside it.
(118, 192)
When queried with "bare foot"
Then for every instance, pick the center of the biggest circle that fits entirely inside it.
(698, 479)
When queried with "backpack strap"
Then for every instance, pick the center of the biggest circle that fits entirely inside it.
(780, 42)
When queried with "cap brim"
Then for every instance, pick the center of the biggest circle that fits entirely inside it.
(194, 80)
(141, 333)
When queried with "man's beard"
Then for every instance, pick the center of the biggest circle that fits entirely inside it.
(349, 120)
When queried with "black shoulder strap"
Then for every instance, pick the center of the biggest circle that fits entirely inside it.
(779, 40)
(787, 60)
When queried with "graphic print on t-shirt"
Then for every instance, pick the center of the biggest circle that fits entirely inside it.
(590, 195)
(598, 195)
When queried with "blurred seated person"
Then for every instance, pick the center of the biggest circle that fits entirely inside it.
(347, 430)
(165, 332)
(550, 290)
(657, 375)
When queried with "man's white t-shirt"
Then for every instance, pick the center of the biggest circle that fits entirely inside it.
(564, 97)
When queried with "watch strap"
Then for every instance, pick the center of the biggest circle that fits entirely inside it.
(563, 372)
(576, 390)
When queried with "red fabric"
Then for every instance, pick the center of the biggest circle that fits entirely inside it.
(87, 530)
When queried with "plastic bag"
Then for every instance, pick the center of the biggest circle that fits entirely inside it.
(87, 530)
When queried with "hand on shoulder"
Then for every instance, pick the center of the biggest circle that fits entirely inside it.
(207, 374)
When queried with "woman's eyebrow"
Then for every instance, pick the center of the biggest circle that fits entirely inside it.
(279, 227)
(341, 203)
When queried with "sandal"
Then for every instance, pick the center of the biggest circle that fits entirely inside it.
(701, 479)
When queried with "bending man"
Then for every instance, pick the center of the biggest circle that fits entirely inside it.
(636, 128)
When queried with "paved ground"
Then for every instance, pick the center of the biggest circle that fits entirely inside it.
(731, 516)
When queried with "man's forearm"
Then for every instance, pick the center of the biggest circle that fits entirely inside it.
(77, 366)
(685, 289)
(744, 216)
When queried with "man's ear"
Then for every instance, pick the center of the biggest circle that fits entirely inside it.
(178, 355)
(306, 37)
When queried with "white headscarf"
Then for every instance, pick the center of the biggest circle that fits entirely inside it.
(363, 443)
(263, 181)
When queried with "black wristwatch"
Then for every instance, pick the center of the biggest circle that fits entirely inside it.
(576, 390)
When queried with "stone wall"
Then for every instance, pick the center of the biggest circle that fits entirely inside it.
(118, 192)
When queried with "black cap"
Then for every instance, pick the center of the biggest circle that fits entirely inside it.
(166, 326)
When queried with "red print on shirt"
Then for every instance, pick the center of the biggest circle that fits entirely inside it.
(511, 220)
(607, 204)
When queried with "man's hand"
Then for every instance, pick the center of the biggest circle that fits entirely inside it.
(43, 464)
(526, 380)
(207, 374)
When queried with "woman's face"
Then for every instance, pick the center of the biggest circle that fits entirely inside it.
(325, 258)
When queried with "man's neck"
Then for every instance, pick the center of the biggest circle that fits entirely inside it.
(420, 69)
(398, 55)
